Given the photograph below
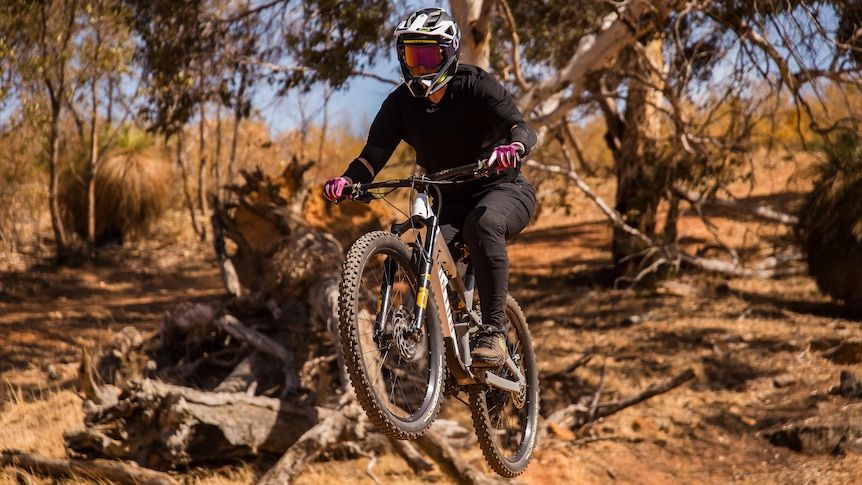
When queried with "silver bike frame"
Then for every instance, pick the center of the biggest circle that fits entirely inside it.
(445, 272)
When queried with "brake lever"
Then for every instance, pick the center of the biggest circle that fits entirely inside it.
(357, 194)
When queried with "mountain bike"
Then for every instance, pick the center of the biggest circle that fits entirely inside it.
(407, 311)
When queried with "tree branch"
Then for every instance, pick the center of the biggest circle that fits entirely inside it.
(506, 13)
(762, 212)
(606, 409)
(617, 31)
(668, 253)
(276, 68)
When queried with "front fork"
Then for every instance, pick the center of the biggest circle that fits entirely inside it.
(424, 266)
(384, 301)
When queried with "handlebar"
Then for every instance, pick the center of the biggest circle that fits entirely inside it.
(464, 173)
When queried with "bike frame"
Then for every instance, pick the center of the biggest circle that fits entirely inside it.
(438, 273)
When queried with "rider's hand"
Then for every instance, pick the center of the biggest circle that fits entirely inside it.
(333, 189)
(505, 156)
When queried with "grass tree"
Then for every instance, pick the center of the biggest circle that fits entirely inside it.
(132, 190)
(830, 221)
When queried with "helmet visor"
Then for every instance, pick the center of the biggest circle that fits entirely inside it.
(421, 58)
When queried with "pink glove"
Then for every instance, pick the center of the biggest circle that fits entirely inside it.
(333, 188)
(505, 156)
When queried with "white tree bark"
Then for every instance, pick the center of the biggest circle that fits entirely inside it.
(595, 50)
(474, 19)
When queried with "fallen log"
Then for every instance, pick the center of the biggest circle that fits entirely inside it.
(162, 426)
(101, 470)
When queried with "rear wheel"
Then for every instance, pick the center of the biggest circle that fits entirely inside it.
(398, 376)
(506, 423)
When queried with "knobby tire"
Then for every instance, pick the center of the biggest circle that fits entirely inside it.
(507, 425)
(400, 388)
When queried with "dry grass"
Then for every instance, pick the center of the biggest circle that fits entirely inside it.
(739, 336)
(34, 421)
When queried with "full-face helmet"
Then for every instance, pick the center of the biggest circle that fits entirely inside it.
(428, 43)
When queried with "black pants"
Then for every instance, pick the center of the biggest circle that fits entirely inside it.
(485, 224)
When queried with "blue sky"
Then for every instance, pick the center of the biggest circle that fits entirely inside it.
(355, 105)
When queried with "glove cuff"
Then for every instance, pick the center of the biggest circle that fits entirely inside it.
(519, 147)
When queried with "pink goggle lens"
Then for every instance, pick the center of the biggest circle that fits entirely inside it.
(423, 55)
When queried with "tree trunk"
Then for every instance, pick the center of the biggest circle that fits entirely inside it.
(54, 188)
(640, 178)
(94, 164)
(237, 120)
(474, 19)
(202, 165)
(184, 173)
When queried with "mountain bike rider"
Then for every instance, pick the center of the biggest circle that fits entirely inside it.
(454, 114)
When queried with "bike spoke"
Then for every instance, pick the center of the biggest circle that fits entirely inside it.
(395, 373)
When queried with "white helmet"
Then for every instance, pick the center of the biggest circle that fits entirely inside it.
(428, 43)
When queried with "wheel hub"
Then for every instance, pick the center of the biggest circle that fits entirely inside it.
(406, 341)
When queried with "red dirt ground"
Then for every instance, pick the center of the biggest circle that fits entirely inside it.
(759, 348)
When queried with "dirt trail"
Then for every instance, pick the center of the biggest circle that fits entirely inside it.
(760, 350)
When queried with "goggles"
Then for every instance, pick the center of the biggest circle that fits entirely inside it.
(421, 55)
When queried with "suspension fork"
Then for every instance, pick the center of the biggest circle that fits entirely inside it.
(384, 301)
(424, 283)
(425, 267)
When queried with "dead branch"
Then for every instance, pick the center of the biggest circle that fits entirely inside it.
(228, 271)
(451, 463)
(101, 470)
(594, 405)
(261, 342)
(411, 455)
(567, 369)
(241, 378)
(606, 409)
(588, 191)
(668, 254)
(765, 213)
(579, 414)
(342, 425)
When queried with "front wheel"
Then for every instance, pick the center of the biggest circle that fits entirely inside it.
(397, 374)
(507, 423)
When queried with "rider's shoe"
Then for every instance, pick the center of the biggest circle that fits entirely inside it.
(489, 350)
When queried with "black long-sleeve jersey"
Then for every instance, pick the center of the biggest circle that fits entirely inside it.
(475, 114)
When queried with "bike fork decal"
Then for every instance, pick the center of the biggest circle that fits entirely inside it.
(422, 298)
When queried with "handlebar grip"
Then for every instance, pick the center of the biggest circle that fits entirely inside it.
(353, 192)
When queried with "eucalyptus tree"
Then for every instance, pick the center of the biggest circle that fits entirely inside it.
(184, 54)
(680, 86)
(38, 37)
(678, 83)
(104, 65)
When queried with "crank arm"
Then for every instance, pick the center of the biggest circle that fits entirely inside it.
(510, 385)
(494, 380)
